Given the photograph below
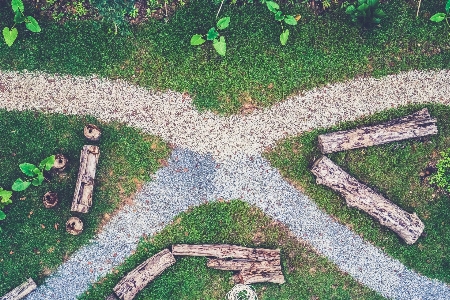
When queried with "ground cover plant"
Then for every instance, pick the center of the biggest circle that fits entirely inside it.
(257, 70)
(33, 240)
(308, 275)
(399, 171)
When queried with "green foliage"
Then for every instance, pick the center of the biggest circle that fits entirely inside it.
(5, 199)
(442, 177)
(279, 16)
(439, 17)
(115, 12)
(10, 34)
(36, 173)
(213, 35)
(366, 13)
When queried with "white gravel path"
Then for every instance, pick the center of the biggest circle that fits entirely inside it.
(224, 156)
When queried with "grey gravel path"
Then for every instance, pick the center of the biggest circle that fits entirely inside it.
(224, 161)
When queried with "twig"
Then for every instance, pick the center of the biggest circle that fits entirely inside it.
(418, 8)
(221, 3)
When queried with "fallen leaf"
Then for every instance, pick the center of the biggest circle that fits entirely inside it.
(42, 225)
(56, 226)
(11, 252)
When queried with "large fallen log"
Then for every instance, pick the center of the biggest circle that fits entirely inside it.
(412, 126)
(226, 251)
(408, 226)
(254, 275)
(82, 198)
(20, 291)
(238, 265)
(137, 279)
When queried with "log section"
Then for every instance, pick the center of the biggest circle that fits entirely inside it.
(137, 279)
(408, 226)
(238, 265)
(20, 291)
(412, 126)
(249, 276)
(226, 251)
(82, 198)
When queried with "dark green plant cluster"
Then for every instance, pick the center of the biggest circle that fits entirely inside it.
(366, 12)
(10, 34)
(442, 177)
(5, 199)
(218, 41)
(115, 12)
(35, 172)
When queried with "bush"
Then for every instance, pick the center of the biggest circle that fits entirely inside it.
(115, 11)
(442, 177)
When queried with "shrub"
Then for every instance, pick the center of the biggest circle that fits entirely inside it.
(442, 177)
(115, 11)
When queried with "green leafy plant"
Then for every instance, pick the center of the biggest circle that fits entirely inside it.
(10, 34)
(281, 17)
(213, 35)
(115, 12)
(439, 17)
(442, 177)
(5, 199)
(35, 172)
(366, 12)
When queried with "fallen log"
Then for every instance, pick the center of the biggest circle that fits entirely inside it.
(412, 126)
(82, 198)
(238, 265)
(20, 291)
(250, 276)
(226, 251)
(137, 279)
(408, 226)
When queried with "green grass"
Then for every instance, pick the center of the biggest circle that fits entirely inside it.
(33, 241)
(394, 171)
(308, 275)
(257, 69)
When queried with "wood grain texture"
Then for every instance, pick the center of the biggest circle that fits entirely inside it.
(226, 251)
(137, 279)
(238, 265)
(412, 126)
(20, 291)
(82, 198)
(408, 226)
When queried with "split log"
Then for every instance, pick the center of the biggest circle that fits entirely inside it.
(239, 264)
(250, 276)
(20, 291)
(226, 251)
(82, 198)
(412, 126)
(137, 279)
(408, 226)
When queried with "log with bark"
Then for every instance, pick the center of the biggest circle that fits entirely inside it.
(20, 291)
(82, 198)
(408, 226)
(416, 125)
(226, 251)
(137, 279)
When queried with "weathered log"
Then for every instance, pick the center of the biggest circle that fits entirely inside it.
(250, 275)
(60, 164)
(226, 251)
(50, 199)
(74, 226)
(239, 264)
(82, 198)
(412, 126)
(20, 291)
(92, 132)
(137, 279)
(408, 226)
(111, 297)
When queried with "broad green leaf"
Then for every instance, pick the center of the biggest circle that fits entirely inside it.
(38, 180)
(32, 24)
(20, 185)
(272, 6)
(2, 215)
(363, 7)
(376, 20)
(279, 16)
(220, 46)
(350, 9)
(212, 34)
(17, 5)
(223, 23)
(447, 6)
(379, 13)
(439, 17)
(5, 196)
(28, 169)
(10, 35)
(19, 17)
(290, 20)
(197, 39)
(47, 163)
(372, 3)
(284, 37)
(360, 2)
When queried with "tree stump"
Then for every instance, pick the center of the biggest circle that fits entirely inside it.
(408, 226)
(50, 199)
(226, 251)
(74, 226)
(60, 164)
(92, 132)
(82, 198)
(137, 279)
(412, 126)
(20, 291)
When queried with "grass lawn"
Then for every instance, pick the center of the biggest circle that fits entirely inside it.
(33, 240)
(394, 171)
(256, 70)
(307, 274)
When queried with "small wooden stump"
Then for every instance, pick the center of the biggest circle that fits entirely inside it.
(137, 279)
(50, 199)
(74, 226)
(92, 132)
(82, 198)
(408, 226)
(20, 291)
(412, 126)
(60, 164)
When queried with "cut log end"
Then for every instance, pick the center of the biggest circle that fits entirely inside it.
(74, 226)
(92, 132)
(60, 164)
(50, 199)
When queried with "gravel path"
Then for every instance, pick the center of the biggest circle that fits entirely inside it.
(219, 157)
